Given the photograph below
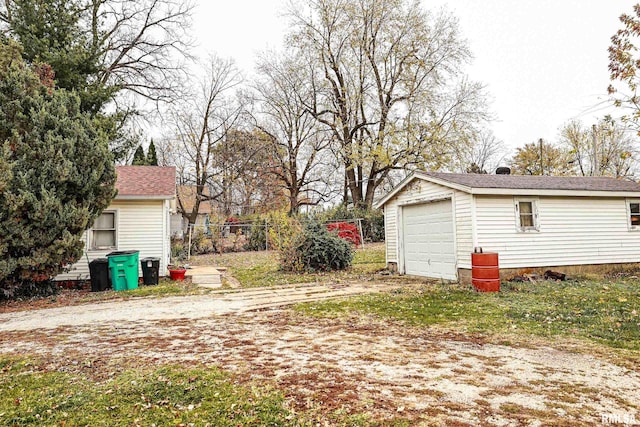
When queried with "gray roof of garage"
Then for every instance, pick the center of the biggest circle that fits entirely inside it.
(578, 183)
(583, 186)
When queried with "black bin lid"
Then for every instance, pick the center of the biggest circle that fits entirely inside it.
(99, 261)
(150, 259)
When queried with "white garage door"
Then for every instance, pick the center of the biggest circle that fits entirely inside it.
(428, 240)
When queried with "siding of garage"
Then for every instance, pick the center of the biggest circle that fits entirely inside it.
(572, 231)
(418, 191)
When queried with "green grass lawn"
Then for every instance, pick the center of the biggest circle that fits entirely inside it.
(163, 396)
(254, 269)
(605, 312)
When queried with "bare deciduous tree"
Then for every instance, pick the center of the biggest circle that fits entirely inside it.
(612, 145)
(386, 82)
(202, 122)
(482, 155)
(117, 55)
(297, 145)
(141, 44)
(109, 47)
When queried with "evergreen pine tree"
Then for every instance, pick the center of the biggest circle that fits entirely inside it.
(152, 157)
(56, 174)
(139, 158)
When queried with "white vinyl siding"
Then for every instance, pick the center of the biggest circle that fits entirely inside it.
(464, 228)
(141, 225)
(418, 191)
(391, 231)
(572, 231)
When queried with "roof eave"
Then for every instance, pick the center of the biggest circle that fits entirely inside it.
(145, 197)
(503, 191)
(424, 177)
(556, 193)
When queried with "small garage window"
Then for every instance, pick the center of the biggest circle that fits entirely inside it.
(103, 233)
(633, 213)
(527, 215)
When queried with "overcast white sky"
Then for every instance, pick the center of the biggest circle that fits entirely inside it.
(543, 61)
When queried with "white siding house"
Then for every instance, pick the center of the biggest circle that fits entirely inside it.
(137, 219)
(433, 221)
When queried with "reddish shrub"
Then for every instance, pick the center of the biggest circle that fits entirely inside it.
(346, 231)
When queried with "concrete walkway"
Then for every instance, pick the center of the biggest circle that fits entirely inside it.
(221, 302)
(205, 276)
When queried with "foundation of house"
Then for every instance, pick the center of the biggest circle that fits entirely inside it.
(464, 274)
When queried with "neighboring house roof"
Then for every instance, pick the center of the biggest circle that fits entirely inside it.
(146, 182)
(526, 185)
(187, 197)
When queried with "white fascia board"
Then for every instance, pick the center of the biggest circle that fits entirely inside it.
(553, 193)
(445, 183)
(380, 203)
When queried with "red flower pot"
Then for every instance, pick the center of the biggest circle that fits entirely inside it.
(177, 274)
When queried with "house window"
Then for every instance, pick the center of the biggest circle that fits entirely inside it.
(634, 214)
(103, 234)
(526, 215)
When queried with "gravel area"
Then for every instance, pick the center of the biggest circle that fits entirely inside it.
(431, 376)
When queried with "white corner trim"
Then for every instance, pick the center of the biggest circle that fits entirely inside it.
(474, 223)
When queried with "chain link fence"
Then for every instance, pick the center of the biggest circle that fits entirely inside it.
(240, 236)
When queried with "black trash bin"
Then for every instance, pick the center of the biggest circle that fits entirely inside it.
(99, 272)
(150, 270)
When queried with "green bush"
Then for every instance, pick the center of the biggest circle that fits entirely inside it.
(202, 244)
(56, 174)
(179, 250)
(30, 290)
(257, 235)
(283, 231)
(316, 249)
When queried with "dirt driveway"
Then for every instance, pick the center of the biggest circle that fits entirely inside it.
(358, 365)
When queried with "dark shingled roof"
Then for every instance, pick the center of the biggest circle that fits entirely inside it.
(529, 182)
(146, 181)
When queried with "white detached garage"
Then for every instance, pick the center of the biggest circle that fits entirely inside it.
(433, 221)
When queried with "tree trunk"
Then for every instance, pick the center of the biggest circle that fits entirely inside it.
(354, 187)
(294, 207)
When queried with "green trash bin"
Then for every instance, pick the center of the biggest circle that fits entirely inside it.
(123, 266)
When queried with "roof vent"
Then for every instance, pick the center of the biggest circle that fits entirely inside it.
(502, 170)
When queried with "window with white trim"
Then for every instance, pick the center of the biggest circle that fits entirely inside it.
(104, 233)
(633, 214)
(527, 215)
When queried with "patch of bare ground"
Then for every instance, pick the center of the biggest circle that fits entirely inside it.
(355, 366)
